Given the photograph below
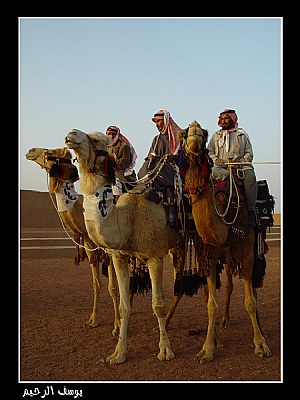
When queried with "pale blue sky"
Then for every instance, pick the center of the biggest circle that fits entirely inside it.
(88, 73)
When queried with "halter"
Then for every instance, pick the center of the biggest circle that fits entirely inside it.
(104, 168)
(56, 169)
(187, 134)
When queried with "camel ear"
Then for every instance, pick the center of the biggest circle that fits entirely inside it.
(205, 133)
(182, 134)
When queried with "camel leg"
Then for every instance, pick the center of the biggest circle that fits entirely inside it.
(206, 354)
(261, 327)
(177, 260)
(158, 306)
(123, 275)
(175, 301)
(229, 288)
(172, 308)
(260, 347)
(112, 290)
(218, 341)
(92, 322)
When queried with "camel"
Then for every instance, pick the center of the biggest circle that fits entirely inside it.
(221, 238)
(63, 174)
(135, 226)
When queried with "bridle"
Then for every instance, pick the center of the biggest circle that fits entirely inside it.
(187, 134)
(56, 169)
(104, 168)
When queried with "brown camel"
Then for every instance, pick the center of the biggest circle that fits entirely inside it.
(62, 175)
(134, 226)
(224, 236)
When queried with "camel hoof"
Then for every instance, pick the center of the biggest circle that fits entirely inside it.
(91, 324)
(263, 351)
(166, 355)
(202, 357)
(224, 324)
(115, 331)
(115, 359)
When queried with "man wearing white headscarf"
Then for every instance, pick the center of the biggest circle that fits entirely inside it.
(231, 143)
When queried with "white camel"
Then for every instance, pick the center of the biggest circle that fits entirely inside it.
(62, 175)
(134, 226)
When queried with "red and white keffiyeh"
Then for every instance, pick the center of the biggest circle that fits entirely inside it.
(226, 137)
(171, 127)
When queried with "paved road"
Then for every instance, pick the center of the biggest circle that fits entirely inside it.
(55, 242)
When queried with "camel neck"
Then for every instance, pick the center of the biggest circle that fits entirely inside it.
(98, 205)
(66, 197)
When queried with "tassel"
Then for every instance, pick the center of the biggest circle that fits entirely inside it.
(104, 269)
(219, 268)
(259, 270)
(190, 283)
(178, 285)
(185, 282)
(141, 278)
(133, 282)
(76, 255)
(147, 280)
(196, 280)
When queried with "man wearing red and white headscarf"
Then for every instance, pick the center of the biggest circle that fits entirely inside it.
(231, 143)
(165, 143)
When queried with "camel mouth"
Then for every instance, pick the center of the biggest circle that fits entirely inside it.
(70, 143)
(72, 140)
(30, 156)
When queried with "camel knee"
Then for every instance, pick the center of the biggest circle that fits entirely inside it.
(250, 306)
(159, 310)
(124, 310)
(212, 308)
(112, 292)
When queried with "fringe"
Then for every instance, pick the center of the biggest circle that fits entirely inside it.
(140, 281)
(80, 254)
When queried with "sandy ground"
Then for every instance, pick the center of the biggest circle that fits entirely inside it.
(56, 300)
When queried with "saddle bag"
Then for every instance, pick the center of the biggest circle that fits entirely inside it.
(264, 206)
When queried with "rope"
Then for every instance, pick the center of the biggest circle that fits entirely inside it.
(147, 179)
(222, 215)
(250, 162)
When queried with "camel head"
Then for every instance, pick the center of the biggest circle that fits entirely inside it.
(193, 138)
(57, 162)
(91, 153)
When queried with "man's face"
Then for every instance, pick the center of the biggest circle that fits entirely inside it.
(226, 121)
(112, 133)
(160, 124)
